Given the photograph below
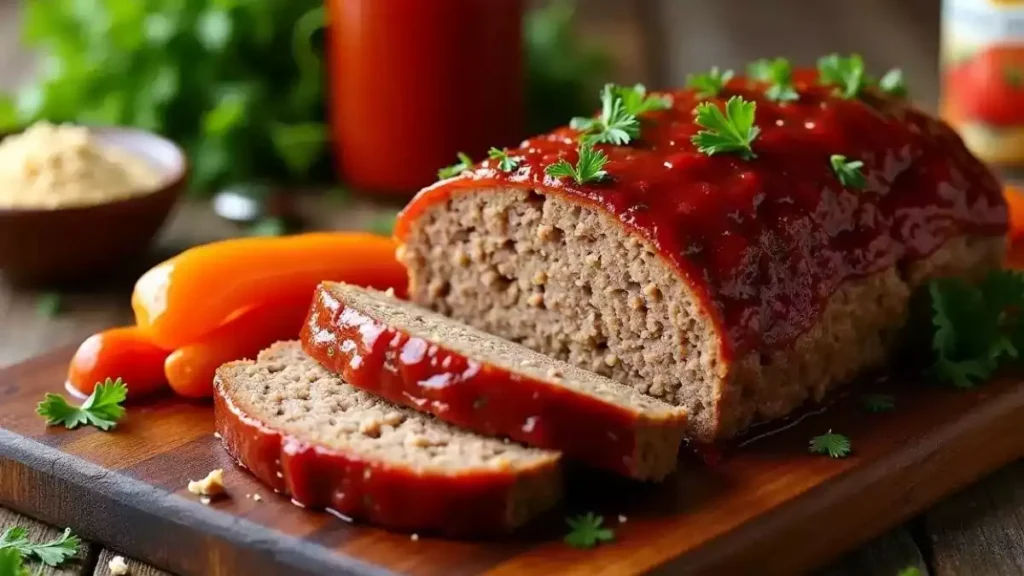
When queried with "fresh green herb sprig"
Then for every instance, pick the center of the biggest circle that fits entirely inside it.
(464, 163)
(12, 563)
(878, 403)
(892, 83)
(779, 74)
(830, 444)
(846, 73)
(733, 131)
(976, 328)
(848, 173)
(49, 553)
(589, 167)
(506, 163)
(101, 409)
(586, 531)
(619, 122)
(709, 84)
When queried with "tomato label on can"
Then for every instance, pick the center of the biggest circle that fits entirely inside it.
(982, 57)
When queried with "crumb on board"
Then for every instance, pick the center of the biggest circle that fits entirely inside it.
(622, 518)
(117, 566)
(257, 498)
(204, 500)
(212, 485)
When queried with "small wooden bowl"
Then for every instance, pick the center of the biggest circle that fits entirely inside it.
(49, 246)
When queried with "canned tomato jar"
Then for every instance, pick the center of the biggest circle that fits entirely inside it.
(982, 59)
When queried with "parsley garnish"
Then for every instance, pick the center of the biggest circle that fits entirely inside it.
(834, 445)
(848, 173)
(101, 409)
(846, 73)
(892, 83)
(709, 84)
(615, 125)
(589, 167)
(733, 131)
(49, 553)
(779, 74)
(49, 303)
(465, 163)
(506, 163)
(587, 531)
(11, 563)
(618, 122)
(636, 101)
(878, 402)
(976, 328)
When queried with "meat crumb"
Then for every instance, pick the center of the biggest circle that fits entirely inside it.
(117, 566)
(212, 485)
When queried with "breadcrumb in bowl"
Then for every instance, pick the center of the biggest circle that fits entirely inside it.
(54, 244)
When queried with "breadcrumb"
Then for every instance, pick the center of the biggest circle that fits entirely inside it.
(117, 566)
(212, 485)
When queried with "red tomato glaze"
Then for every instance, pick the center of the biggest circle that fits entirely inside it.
(765, 242)
(484, 398)
(397, 498)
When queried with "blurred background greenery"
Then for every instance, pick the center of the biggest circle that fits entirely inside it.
(240, 84)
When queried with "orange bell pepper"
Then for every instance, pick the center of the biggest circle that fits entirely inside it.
(187, 297)
(190, 369)
(125, 353)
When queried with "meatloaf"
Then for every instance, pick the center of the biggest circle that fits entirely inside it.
(307, 433)
(735, 286)
(484, 383)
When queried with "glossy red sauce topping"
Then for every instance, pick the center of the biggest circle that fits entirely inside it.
(393, 497)
(765, 242)
(429, 377)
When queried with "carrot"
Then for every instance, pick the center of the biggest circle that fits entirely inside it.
(125, 353)
(190, 369)
(187, 297)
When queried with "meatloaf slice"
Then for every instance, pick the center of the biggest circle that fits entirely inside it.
(737, 285)
(484, 383)
(307, 433)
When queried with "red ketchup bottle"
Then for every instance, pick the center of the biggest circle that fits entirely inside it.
(415, 81)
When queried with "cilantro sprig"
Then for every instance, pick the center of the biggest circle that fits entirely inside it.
(831, 444)
(506, 163)
(733, 131)
(709, 84)
(619, 122)
(778, 72)
(464, 163)
(976, 329)
(49, 553)
(101, 409)
(586, 531)
(589, 167)
(846, 73)
(848, 173)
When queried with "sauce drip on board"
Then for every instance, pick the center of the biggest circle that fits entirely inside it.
(763, 243)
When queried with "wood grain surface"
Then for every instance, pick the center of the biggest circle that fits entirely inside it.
(768, 500)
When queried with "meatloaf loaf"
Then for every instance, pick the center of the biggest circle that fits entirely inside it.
(737, 286)
(307, 433)
(484, 383)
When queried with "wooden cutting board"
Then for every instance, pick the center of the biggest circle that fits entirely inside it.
(768, 507)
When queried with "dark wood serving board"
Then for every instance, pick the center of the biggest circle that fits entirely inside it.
(767, 507)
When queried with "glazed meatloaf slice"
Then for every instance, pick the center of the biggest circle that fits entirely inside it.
(735, 285)
(487, 384)
(307, 433)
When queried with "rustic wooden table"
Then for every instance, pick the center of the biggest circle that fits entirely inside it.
(979, 531)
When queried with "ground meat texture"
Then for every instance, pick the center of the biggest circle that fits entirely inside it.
(569, 280)
(307, 433)
(481, 382)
